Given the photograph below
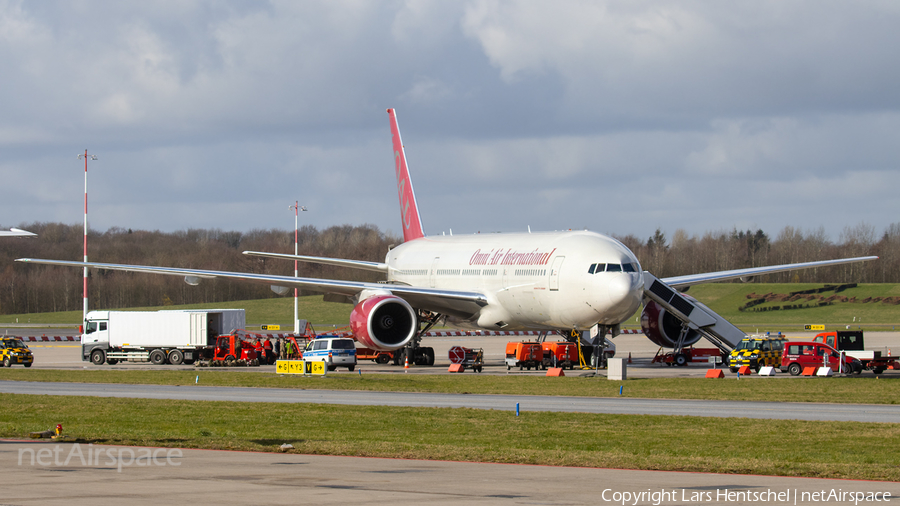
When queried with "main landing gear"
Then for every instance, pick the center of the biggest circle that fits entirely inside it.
(418, 354)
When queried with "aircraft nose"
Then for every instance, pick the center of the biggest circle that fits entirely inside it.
(619, 288)
(625, 292)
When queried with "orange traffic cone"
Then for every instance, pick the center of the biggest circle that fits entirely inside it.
(629, 357)
(405, 362)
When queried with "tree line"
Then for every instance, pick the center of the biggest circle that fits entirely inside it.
(42, 288)
(736, 249)
(37, 288)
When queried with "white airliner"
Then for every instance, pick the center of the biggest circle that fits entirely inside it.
(550, 281)
(16, 232)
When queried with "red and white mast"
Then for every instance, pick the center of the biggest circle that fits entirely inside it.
(92, 157)
(297, 208)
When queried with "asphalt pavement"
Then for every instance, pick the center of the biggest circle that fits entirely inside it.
(49, 473)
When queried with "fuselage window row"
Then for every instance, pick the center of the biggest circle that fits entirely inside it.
(531, 272)
(456, 272)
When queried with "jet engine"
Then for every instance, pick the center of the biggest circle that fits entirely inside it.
(663, 328)
(383, 322)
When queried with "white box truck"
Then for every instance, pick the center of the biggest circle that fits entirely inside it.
(159, 337)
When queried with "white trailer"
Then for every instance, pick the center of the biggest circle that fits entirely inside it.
(159, 337)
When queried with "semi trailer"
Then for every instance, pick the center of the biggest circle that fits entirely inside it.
(158, 337)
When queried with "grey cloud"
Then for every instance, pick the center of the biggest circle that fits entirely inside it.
(619, 117)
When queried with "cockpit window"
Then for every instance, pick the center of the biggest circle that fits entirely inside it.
(597, 268)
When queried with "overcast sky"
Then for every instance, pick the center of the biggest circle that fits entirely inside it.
(619, 117)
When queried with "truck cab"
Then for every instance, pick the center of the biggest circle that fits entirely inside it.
(844, 340)
(95, 338)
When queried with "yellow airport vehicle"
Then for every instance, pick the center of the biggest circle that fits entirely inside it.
(757, 352)
(14, 351)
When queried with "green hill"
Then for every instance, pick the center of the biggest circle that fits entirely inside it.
(727, 299)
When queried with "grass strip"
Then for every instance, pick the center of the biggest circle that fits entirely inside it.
(864, 389)
(745, 446)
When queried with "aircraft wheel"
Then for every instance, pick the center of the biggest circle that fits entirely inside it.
(681, 360)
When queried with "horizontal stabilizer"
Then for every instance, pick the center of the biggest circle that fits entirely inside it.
(339, 262)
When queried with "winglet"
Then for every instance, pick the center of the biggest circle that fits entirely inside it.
(16, 232)
(409, 210)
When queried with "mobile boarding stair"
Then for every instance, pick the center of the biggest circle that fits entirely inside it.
(694, 315)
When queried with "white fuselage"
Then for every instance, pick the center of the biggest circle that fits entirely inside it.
(531, 281)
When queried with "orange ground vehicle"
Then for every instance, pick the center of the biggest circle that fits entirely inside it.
(851, 342)
(233, 347)
(559, 354)
(524, 355)
(380, 357)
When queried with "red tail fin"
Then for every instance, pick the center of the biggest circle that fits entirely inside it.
(409, 210)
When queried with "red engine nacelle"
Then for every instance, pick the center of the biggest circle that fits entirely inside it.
(662, 328)
(383, 322)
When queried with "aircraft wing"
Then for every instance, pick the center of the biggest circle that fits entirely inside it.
(16, 232)
(340, 262)
(679, 282)
(452, 302)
